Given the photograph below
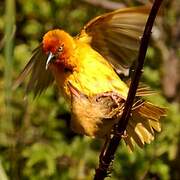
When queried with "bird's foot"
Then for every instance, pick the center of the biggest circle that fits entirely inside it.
(122, 134)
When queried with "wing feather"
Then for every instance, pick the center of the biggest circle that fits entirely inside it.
(117, 35)
(40, 78)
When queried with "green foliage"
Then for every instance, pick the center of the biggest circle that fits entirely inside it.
(37, 143)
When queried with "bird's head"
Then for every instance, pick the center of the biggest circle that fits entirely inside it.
(59, 46)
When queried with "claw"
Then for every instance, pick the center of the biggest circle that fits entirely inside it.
(119, 134)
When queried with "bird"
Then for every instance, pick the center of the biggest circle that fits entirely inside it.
(89, 69)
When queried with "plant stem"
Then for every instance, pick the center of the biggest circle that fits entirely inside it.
(102, 170)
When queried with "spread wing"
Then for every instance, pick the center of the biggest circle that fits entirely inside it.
(116, 35)
(40, 78)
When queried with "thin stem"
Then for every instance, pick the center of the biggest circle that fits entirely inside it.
(102, 170)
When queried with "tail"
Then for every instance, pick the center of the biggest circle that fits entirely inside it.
(143, 123)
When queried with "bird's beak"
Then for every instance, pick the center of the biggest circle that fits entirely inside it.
(50, 57)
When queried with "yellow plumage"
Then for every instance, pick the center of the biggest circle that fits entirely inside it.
(92, 74)
(85, 69)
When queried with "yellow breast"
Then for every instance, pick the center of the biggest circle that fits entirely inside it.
(93, 74)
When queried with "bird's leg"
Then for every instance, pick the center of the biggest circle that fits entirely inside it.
(103, 150)
(102, 162)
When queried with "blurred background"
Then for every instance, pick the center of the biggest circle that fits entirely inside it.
(36, 142)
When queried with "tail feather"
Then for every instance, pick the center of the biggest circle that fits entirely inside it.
(155, 125)
(129, 142)
(131, 133)
(151, 111)
(144, 121)
(146, 136)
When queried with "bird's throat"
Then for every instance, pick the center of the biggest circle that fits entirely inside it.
(61, 72)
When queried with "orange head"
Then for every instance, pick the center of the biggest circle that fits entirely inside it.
(59, 46)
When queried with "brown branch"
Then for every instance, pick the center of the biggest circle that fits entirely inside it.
(106, 4)
(106, 159)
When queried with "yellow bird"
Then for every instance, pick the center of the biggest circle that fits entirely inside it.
(86, 69)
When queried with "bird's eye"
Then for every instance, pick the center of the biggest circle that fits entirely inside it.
(60, 49)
